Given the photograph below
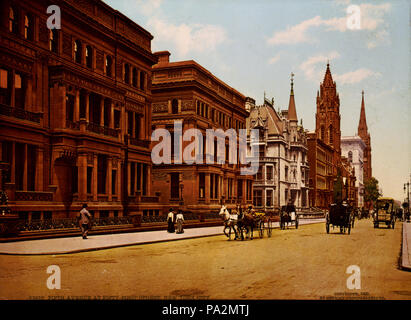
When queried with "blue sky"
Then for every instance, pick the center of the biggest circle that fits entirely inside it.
(253, 46)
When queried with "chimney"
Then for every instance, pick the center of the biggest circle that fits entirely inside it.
(163, 57)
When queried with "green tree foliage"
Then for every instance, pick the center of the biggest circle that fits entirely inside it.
(371, 190)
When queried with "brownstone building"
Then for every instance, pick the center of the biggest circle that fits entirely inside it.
(187, 93)
(324, 147)
(75, 110)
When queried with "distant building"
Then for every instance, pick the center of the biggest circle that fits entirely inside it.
(324, 148)
(353, 149)
(283, 165)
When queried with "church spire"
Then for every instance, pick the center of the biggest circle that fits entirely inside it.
(328, 79)
(362, 125)
(292, 112)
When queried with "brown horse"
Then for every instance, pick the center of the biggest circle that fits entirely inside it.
(247, 222)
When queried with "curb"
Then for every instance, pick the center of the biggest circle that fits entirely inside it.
(405, 259)
(125, 244)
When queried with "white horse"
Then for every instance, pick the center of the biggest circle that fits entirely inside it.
(230, 221)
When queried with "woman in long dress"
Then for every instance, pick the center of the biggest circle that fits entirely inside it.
(170, 220)
(180, 220)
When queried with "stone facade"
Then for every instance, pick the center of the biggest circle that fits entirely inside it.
(283, 163)
(353, 149)
(75, 110)
(324, 148)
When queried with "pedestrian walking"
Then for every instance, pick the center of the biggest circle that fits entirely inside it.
(170, 220)
(84, 219)
(180, 221)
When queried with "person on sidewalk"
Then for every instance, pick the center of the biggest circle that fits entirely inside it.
(170, 220)
(180, 221)
(84, 221)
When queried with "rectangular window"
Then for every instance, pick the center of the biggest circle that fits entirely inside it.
(269, 198)
(138, 182)
(258, 198)
(70, 107)
(212, 186)
(137, 126)
(5, 87)
(47, 215)
(239, 189)
(19, 90)
(89, 179)
(175, 185)
(269, 170)
(201, 187)
(144, 178)
(142, 80)
(101, 173)
(107, 112)
(260, 175)
(113, 181)
(117, 115)
(19, 165)
(31, 167)
(132, 177)
(130, 123)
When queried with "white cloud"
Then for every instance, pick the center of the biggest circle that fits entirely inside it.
(148, 7)
(310, 66)
(274, 59)
(185, 37)
(314, 68)
(372, 20)
(355, 76)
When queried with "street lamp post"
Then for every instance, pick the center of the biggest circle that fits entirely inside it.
(407, 187)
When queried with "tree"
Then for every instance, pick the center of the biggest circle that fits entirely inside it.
(371, 191)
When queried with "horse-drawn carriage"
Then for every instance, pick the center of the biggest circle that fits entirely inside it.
(288, 216)
(240, 224)
(384, 212)
(340, 216)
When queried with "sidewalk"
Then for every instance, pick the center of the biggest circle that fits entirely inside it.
(98, 242)
(406, 246)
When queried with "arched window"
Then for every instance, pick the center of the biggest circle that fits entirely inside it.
(53, 40)
(77, 51)
(13, 20)
(142, 79)
(134, 77)
(127, 73)
(28, 27)
(330, 134)
(89, 56)
(109, 66)
(174, 106)
(322, 133)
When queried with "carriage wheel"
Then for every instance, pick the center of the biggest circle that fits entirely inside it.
(261, 229)
(269, 228)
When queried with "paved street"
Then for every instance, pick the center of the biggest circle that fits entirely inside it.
(293, 264)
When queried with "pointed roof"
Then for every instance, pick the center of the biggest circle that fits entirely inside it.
(362, 125)
(292, 112)
(328, 78)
